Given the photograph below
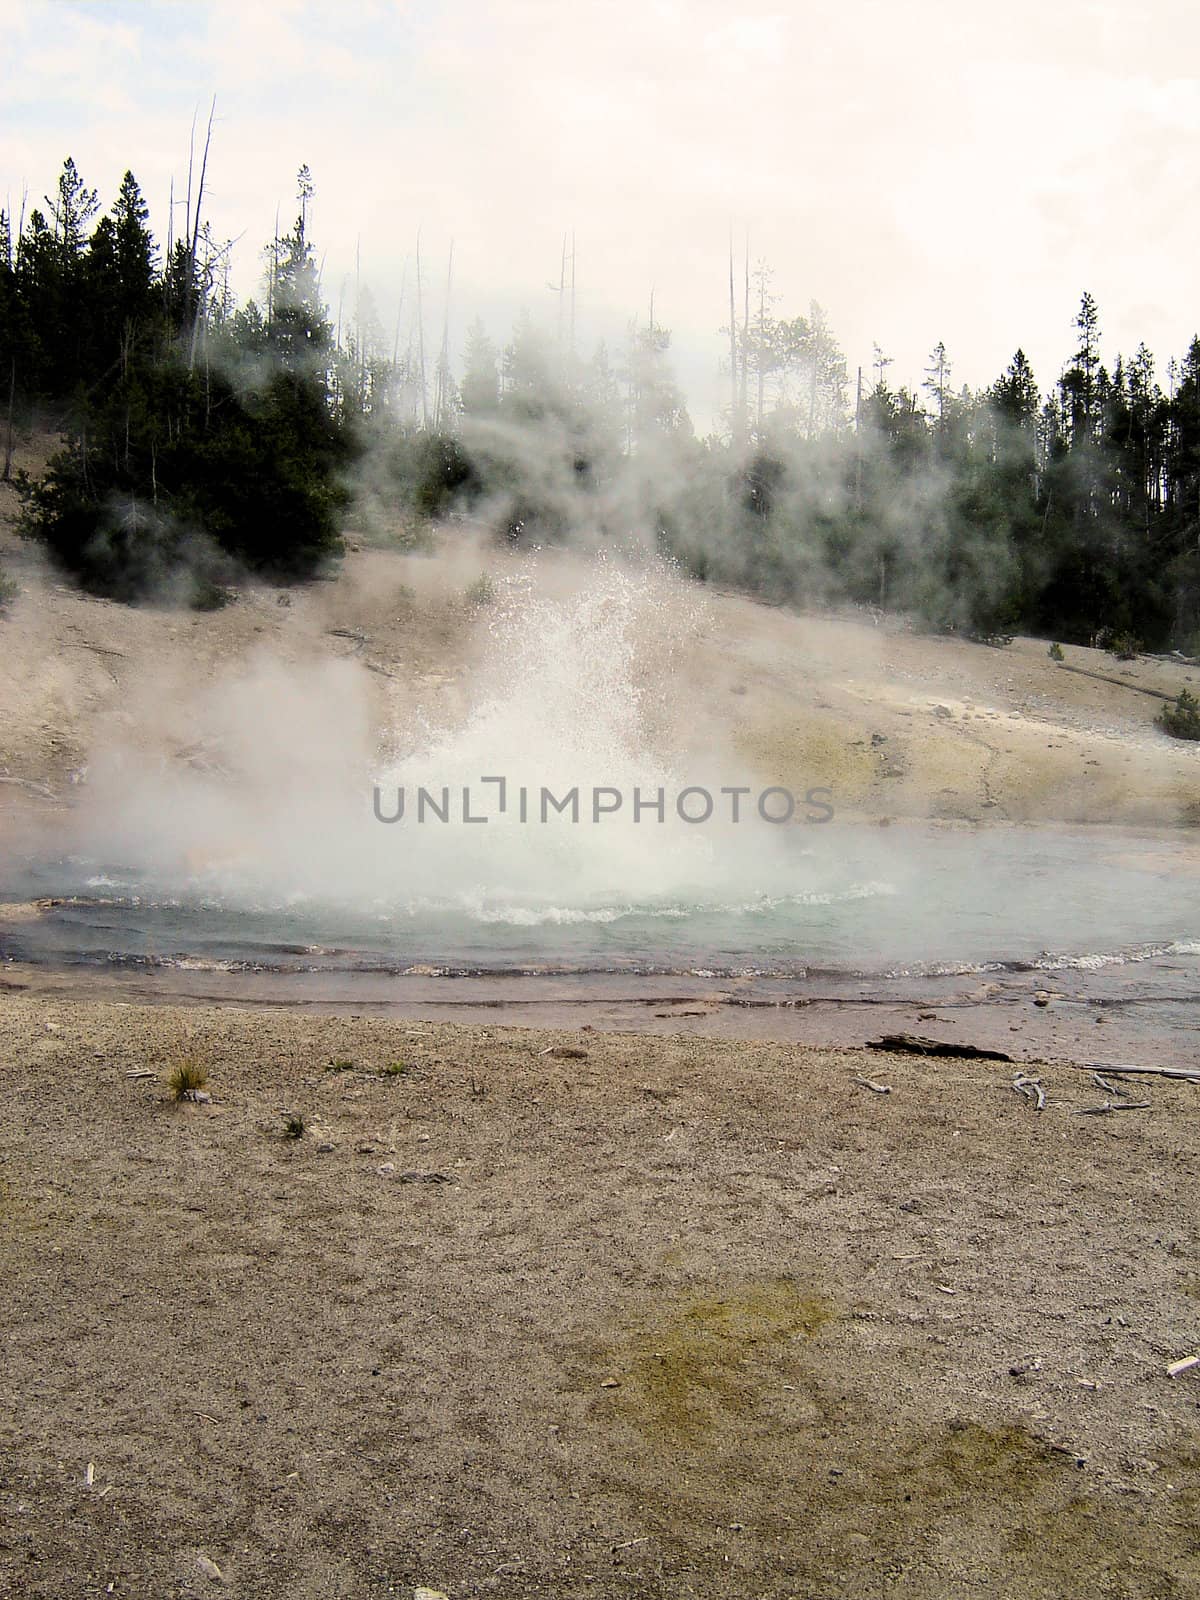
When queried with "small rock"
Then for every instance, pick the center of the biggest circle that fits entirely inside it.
(209, 1568)
(324, 1149)
(385, 1168)
(942, 711)
(609, 1383)
(430, 1594)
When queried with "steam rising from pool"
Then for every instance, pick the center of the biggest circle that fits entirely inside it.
(250, 836)
(579, 692)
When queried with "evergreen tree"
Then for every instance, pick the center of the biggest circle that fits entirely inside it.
(479, 392)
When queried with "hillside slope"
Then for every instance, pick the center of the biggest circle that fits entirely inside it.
(896, 724)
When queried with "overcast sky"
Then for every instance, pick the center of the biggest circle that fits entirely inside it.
(926, 169)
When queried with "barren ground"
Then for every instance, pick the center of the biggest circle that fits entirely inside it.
(688, 1318)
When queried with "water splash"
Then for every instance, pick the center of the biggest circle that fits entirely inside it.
(577, 691)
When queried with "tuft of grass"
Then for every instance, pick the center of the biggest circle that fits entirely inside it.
(1055, 652)
(187, 1076)
(294, 1125)
(8, 591)
(1181, 720)
(394, 1069)
(340, 1065)
(482, 592)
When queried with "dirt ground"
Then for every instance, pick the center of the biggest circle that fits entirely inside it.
(568, 1314)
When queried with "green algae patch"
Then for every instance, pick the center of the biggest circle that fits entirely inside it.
(705, 1357)
(971, 1460)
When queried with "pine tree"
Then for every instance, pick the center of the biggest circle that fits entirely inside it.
(479, 391)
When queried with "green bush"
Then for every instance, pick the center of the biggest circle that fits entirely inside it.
(1055, 652)
(1126, 646)
(482, 592)
(1181, 720)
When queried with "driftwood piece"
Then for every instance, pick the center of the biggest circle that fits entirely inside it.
(1106, 1106)
(911, 1044)
(875, 1088)
(1102, 1082)
(1031, 1088)
(1185, 1074)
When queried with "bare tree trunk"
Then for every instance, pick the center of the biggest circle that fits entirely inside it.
(399, 314)
(562, 289)
(170, 247)
(858, 444)
(421, 341)
(273, 277)
(6, 475)
(735, 431)
(745, 325)
(443, 376)
(193, 285)
(762, 329)
(361, 363)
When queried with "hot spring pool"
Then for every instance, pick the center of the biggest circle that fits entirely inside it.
(839, 898)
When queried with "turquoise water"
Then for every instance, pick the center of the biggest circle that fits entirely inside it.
(838, 898)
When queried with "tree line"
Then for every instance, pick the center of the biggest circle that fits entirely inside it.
(203, 437)
(200, 439)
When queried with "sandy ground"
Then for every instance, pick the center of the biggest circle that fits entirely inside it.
(684, 1318)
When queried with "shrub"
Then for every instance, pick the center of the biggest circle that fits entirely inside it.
(997, 641)
(482, 592)
(8, 590)
(1181, 720)
(1125, 646)
(1055, 652)
(188, 1077)
(210, 596)
(294, 1125)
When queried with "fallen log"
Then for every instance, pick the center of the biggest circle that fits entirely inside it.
(911, 1044)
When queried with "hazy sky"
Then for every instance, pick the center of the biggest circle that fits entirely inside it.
(928, 169)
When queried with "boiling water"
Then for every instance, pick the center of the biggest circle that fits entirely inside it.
(269, 853)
